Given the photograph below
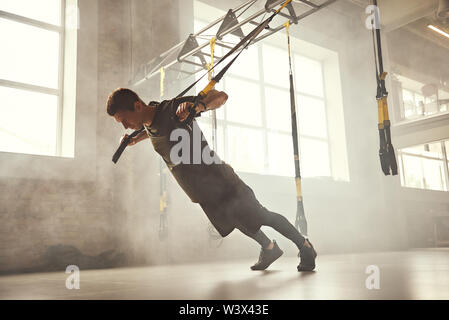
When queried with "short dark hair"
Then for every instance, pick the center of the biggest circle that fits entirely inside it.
(121, 99)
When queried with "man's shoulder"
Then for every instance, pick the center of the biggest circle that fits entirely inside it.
(164, 104)
(165, 118)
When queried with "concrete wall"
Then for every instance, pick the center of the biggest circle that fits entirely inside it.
(63, 202)
(90, 212)
(86, 210)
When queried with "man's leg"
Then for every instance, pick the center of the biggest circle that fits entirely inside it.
(270, 251)
(284, 227)
(259, 237)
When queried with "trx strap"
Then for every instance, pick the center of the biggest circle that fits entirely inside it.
(300, 221)
(243, 44)
(213, 234)
(163, 223)
(210, 76)
(162, 72)
(386, 149)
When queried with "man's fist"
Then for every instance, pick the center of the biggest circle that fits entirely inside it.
(184, 110)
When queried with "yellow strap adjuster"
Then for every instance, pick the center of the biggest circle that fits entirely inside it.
(162, 81)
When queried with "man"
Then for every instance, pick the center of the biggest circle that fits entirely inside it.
(227, 201)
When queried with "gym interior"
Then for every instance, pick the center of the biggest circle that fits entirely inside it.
(379, 220)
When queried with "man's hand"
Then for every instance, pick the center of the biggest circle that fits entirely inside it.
(184, 109)
(213, 100)
(132, 142)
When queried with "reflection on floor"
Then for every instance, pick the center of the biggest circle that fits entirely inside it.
(414, 274)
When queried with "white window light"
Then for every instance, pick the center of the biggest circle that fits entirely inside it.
(438, 30)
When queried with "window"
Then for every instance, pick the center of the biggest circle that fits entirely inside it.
(418, 100)
(33, 37)
(255, 128)
(425, 166)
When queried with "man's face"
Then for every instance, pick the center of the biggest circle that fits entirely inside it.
(129, 119)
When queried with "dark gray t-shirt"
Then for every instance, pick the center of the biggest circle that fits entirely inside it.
(166, 133)
(201, 173)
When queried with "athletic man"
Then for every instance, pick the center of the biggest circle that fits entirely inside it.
(227, 201)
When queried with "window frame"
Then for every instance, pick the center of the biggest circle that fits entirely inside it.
(263, 127)
(444, 159)
(59, 91)
(224, 123)
(399, 105)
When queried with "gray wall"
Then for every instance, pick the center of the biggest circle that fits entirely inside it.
(418, 58)
(87, 206)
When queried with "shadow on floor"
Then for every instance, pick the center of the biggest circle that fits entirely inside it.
(58, 257)
(255, 286)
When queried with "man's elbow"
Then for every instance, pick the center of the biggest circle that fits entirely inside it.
(224, 97)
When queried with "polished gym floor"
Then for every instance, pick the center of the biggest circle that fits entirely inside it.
(413, 274)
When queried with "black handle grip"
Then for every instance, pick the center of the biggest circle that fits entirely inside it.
(192, 111)
(191, 116)
(124, 144)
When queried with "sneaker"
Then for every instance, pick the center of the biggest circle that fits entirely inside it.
(267, 257)
(307, 255)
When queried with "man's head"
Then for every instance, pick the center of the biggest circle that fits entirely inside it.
(127, 108)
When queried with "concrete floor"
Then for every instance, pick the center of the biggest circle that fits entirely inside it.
(414, 274)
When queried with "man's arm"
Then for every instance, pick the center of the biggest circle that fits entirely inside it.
(213, 100)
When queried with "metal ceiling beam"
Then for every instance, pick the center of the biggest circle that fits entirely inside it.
(153, 67)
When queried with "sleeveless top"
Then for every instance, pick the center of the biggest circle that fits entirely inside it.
(183, 147)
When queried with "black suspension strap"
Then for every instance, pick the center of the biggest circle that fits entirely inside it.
(163, 201)
(300, 221)
(243, 44)
(386, 150)
(124, 144)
